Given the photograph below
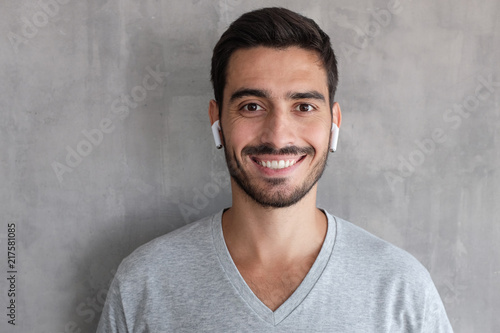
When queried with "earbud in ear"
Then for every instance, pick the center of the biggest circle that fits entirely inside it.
(215, 132)
(335, 138)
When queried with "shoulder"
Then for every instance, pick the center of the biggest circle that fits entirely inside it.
(376, 256)
(385, 280)
(173, 249)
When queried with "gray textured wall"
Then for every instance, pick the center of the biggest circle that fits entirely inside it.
(99, 156)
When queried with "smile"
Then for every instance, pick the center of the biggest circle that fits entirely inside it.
(277, 164)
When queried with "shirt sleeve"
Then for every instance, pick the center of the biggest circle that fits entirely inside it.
(113, 316)
(435, 318)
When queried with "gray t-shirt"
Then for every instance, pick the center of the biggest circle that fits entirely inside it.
(186, 281)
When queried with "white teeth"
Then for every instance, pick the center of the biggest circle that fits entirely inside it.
(281, 164)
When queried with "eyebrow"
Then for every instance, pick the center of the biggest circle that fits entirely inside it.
(245, 92)
(307, 95)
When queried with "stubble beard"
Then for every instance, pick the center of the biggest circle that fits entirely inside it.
(274, 193)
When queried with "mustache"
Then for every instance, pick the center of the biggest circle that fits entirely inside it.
(270, 150)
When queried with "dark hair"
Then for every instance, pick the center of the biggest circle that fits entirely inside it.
(276, 28)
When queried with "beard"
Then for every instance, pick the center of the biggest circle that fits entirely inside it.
(274, 192)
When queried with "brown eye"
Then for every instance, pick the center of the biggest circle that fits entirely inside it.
(305, 107)
(252, 107)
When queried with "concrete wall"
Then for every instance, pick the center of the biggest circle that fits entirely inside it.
(99, 156)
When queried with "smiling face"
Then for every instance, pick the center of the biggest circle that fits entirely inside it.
(276, 123)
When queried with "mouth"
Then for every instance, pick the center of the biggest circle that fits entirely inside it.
(277, 164)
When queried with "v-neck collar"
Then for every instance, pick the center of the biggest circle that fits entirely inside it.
(274, 318)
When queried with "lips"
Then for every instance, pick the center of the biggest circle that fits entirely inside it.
(277, 164)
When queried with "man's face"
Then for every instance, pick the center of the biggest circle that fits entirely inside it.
(276, 123)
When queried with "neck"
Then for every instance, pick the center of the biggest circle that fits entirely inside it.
(268, 236)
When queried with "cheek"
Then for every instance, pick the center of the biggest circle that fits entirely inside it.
(317, 136)
(239, 137)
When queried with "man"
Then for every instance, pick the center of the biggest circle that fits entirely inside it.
(273, 261)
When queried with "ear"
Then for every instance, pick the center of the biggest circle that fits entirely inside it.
(213, 114)
(336, 120)
(336, 114)
(213, 111)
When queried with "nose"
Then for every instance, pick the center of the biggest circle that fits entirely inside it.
(278, 128)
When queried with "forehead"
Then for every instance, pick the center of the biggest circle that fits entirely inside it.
(276, 70)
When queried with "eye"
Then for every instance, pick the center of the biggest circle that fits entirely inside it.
(304, 107)
(252, 107)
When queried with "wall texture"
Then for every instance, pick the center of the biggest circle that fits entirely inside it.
(105, 141)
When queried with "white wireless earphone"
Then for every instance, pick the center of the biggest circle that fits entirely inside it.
(335, 138)
(215, 132)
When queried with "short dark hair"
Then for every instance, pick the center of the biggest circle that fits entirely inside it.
(276, 28)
